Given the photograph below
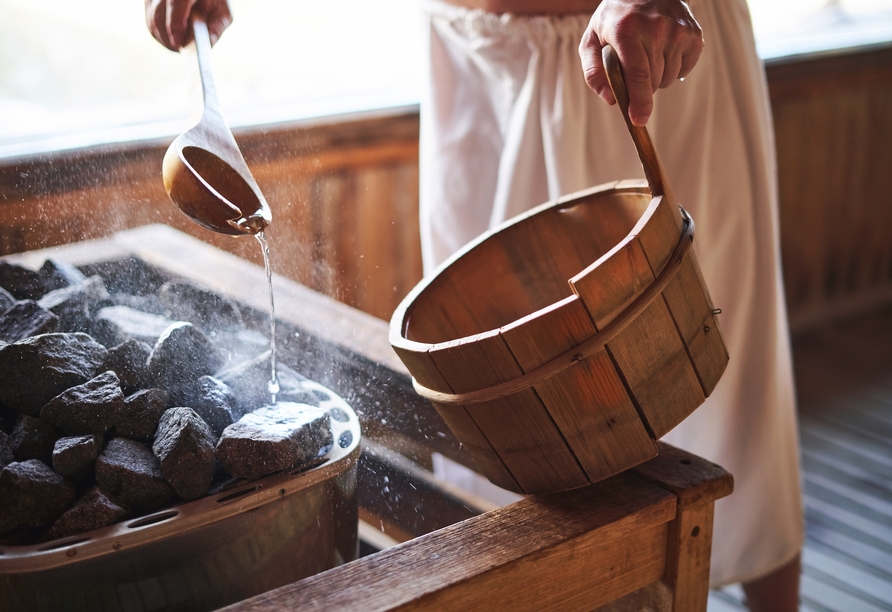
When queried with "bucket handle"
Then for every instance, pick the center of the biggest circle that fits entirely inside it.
(650, 160)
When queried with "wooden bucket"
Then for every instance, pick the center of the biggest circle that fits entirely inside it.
(551, 384)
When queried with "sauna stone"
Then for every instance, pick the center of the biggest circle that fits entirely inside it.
(184, 445)
(203, 307)
(35, 370)
(92, 511)
(23, 283)
(141, 414)
(73, 455)
(274, 438)
(249, 381)
(116, 324)
(91, 408)
(129, 472)
(150, 304)
(32, 495)
(6, 300)
(214, 402)
(26, 318)
(33, 438)
(58, 274)
(182, 355)
(6, 452)
(73, 303)
(128, 360)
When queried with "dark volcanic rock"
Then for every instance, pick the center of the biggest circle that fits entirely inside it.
(214, 402)
(92, 511)
(26, 318)
(23, 283)
(6, 452)
(183, 354)
(33, 439)
(141, 414)
(73, 303)
(35, 370)
(6, 300)
(203, 307)
(273, 439)
(128, 360)
(250, 383)
(184, 444)
(150, 304)
(116, 324)
(131, 474)
(31, 495)
(57, 274)
(91, 408)
(74, 455)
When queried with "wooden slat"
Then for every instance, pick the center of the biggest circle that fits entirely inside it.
(587, 401)
(649, 352)
(580, 549)
(518, 427)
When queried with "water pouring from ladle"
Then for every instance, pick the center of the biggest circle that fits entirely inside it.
(203, 170)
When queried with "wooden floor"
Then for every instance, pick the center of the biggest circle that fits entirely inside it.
(844, 382)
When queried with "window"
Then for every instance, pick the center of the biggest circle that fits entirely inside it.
(78, 73)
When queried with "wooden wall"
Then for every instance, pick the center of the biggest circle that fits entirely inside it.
(344, 193)
(833, 123)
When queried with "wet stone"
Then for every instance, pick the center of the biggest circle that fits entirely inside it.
(74, 455)
(129, 472)
(57, 274)
(26, 318)
(116, 324)
(203, 307)
(6, 452)
(21, 282)
(214, 402)
(32, 495)
(35, 370)
(73, 303)
(91, 408)
(183, 354)
(273, 439)
(141, 413)
(33, 438)
(128, 361)
(150, 304)
(6, 300)
(184, 444)
(92, 511)
(250, 383)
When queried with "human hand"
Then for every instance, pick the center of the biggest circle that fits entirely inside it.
(657, 41)
(168, 20)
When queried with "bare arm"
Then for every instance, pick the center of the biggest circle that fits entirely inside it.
(657, 41)
(168, 20)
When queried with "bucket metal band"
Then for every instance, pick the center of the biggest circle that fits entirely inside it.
(583, 350)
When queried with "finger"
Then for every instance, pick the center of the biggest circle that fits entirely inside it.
(156, 20)
(671, 67)
(690, 58)
(593, 67)
(218, 17)
(637, 75)
(657, 67)
(178, 29)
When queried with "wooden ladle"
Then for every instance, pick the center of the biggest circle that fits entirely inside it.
(203, 170)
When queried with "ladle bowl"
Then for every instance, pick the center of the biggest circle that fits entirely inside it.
(203, 170)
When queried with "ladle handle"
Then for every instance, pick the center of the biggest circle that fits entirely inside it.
(205, 104)
(650, 160)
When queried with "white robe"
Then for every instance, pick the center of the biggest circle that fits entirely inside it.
(508, 123)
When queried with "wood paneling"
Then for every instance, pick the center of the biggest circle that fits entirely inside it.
(834, 144)
(344, 193)
(344, 196)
